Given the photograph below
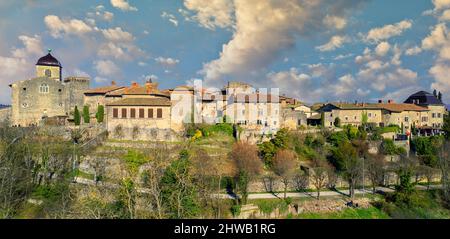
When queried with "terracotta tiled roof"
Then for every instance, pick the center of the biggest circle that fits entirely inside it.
(393, 107)
(141, 102)
(103, 90)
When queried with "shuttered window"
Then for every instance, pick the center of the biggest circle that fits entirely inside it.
(124, 113)
(133, 113)
(115, 113)
(150, 113)
(159, 113)
(141, 113)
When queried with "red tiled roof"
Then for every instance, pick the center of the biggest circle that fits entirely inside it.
(103, 90)
(141, 102)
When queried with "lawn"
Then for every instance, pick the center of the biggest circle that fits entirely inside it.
(349, 213)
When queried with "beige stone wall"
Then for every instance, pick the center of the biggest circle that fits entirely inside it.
(149, 128)
(354, 117)
(29, 104)
(250, 114)
(438, 112)
(5, 114)
(407, 118)
(55, 72)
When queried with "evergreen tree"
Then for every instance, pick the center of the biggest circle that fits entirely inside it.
(100, 114)
(446, 127)
(435, 92)
(76, 116)
(86, 116)
(440, 96)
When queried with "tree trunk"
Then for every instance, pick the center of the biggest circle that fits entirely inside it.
(318, 194)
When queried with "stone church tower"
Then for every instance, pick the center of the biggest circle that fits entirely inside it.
(47, 95)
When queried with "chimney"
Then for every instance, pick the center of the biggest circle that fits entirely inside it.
(148, 86)
(134, 84)
(113, 83)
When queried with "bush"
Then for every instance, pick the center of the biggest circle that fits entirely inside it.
(236, 210)
(100, 114)
(86, 114)
(76, 116)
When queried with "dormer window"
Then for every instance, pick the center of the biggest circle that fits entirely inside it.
(43, 88)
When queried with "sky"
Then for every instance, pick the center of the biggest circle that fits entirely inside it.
(314, 50)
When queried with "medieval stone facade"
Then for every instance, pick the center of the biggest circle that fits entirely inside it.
(47, 95)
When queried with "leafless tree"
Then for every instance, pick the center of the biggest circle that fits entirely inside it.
(284, 165)
(375, 167)
(319, 174)
(247, 164)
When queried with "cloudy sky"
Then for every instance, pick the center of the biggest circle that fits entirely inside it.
(316, 50)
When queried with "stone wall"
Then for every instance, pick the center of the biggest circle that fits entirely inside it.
(5, 113)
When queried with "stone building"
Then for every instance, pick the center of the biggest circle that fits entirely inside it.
(143, 113)
(46, 95)
(377, 114)
(434, 120)
(5, 112)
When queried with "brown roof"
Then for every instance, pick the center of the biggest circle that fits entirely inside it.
(141, 102)
(394, 107)
(103, 90)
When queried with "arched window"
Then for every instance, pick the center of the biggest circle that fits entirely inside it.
(48, 73)
(43, 88)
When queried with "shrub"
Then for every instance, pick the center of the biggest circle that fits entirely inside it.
(86, 115)
(100, 114)
(76, 116)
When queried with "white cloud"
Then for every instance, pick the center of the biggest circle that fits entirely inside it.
(210, 13)
(59, 27)
(167, 61)
(117, 35)
(441, 4)
(334, 43)
(335, 22)
(382, 49)
(106, 68)
(413, 51)
(170, 17)
(33, 47)
(123, 5)
(265, 28)
(341, 57)
(141, 63)
(99, 79)
(388, 31)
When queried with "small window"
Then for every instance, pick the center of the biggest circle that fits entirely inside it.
(159, 113)
(150, 113)
(115, 113)
(133, 113)
(24, 89)
(48, 73)
(141, 113)
(43, 88)
(406, 119)
(124, 113)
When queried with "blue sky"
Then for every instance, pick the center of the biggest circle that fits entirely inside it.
(313, 50)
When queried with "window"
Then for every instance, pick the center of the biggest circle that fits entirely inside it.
(141, 113)
(424, 119)
(133, 113)
(275, 123)
(48, 73)
(24, 105)
(115, 113)
(299, 122)
(369, 114)
(259, 122)
(433, 115)
(43, 88)
(406, 119)
(150, 113)
(24, 89)
(124, 113)
(439, 115)
(159, 113)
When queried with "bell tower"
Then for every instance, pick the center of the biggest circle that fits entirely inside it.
(48, 66)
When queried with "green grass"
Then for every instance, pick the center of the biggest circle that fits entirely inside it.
(348, 213)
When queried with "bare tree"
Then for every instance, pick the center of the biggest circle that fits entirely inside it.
(284, 165)
(319, 174)
(375, 167)
(247, 164)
